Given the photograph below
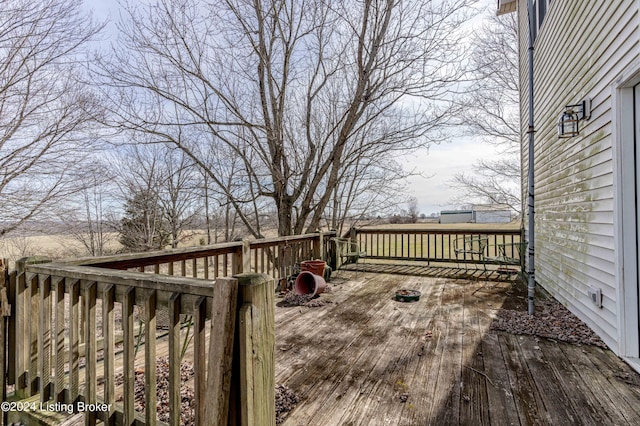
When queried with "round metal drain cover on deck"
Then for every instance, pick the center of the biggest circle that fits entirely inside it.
(404, 295)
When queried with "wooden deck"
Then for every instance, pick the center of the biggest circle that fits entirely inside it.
(366, 359)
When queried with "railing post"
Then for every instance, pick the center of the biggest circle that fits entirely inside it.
(318, 247)
(353, 234)
(333, 258)
(252, 399)
(221, 352)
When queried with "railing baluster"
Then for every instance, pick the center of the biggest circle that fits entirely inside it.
(199, 366)
(44, 343)
(22, 314)
(150, 384)
(129, 358)
(91, 370)
(255, 260)
(174, 360)
(34, 304)
(108, 325)
(268, 262)
(59, 331)
(73, 288)
(262, 256)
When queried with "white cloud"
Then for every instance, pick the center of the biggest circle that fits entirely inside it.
(439, 165)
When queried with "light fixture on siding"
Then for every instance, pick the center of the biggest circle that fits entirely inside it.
(569, 122)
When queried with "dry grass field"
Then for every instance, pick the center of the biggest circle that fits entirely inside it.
(59, 246)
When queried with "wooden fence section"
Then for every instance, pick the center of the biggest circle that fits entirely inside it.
(64, 316)
(431, 245)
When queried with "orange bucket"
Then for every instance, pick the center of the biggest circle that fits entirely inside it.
(309, 283)
(313, 266)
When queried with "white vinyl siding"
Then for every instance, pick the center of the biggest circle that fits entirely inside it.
(579, 52)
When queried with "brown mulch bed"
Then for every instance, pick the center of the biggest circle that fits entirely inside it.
(187, 409)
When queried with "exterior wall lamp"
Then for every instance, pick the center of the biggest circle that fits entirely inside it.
(568, 124)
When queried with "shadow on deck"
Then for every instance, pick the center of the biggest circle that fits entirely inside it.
(451, 271)
(366, 359)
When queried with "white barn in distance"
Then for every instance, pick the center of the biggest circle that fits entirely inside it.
(479, 213)
(491, 213)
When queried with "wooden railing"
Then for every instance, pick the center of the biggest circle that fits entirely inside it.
(275, 257)
(63, 316)
(431, 245)
(63, 332)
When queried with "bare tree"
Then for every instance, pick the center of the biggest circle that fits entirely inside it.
(368, 186)
(491, 111)
(177, 193)
(293, 88)
(45, 112)
(90, 218)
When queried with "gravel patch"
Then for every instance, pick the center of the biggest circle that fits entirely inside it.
(551, 320)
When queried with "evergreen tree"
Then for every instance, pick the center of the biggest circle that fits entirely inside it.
(143, 226)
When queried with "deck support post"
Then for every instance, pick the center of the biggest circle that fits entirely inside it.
(252, 399)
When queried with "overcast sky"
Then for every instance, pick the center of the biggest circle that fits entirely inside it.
(438, 165)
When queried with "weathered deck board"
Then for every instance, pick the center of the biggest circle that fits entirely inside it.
(351, 361)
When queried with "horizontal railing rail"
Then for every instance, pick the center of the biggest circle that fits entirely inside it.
(276, 257)
(432, 245)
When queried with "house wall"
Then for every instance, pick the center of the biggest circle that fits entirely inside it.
(580, 51)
